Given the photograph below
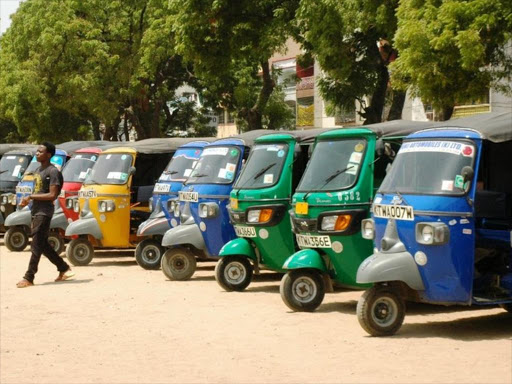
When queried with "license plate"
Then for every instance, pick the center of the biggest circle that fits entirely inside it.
(87, 194)
(162, 187)
(245, 231)
(306, 241)
(301, 208)
(24, 189)
(189, 196)
(399, 212)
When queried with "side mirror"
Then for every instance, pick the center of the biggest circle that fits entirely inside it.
(132, 171)
(21, 172)
(467, 173)
(380, 147)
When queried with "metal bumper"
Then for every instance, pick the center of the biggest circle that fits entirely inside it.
(22, 217)
(184, 234)
(59, 220)
(157, 226)
(87, 225)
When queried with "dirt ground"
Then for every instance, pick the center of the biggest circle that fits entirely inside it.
(117, 323)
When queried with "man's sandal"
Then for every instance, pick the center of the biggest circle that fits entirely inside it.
(24, 283)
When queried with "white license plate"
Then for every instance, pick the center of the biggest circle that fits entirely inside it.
(189, 196)
(245, 231)
(399, 212)
(23, 189)
(306, 241)
(162, 187)
(87, 194)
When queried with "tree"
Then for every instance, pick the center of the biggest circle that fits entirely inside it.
(452, 51)
(229, 43)
(352, 41)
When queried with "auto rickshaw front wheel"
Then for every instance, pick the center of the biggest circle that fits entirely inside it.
(56, 241)
(148, 254)
(233, 273)
(80, 251)
(178, 264)
(380, 311)
(16, 239)
(302, 290)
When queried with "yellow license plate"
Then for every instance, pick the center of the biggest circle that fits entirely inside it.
(301, 208)
(234, 203)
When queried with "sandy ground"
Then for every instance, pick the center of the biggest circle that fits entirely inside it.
(117, 323)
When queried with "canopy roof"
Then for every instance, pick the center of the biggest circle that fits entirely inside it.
(397, 127)
(18, 147)
(249, 137)
(304, 135)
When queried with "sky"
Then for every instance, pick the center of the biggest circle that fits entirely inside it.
(7, 7)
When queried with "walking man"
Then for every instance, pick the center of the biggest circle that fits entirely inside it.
(47, 185)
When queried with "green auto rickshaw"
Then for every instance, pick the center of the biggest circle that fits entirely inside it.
(259, 205)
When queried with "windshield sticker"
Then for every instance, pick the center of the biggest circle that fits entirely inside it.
(459, 181)
(114, 175)
(78, 156)
(273, 148)
(352, 168)
(10, 157)
(187, 172)
(16, 170)
(20, 160)
(464, 221)
(83, 175)
(222, 173)
(280, 153)
(437, 146)
(355, 157)
(109, 156)
(123, 157)
(359, 147)
(230, 175)
(233, 152)
(268, 178)
(467, 231)
(447, 185)
(93, 158)
(452, 222)
(124, 176)
(230, 167)
(219, 151)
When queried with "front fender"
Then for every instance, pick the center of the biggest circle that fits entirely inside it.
(384, 267)
(306, 258)
(87, 225)
(238, 246)
(22, 217)
(59, 220)
(152, 227)
(184, 234)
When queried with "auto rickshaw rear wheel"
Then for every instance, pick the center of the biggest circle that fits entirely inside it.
(233, 273)
(380, 311)
(148, 254)
(56, 241)
(80, 251)
(178, 264)
(507, 307)
(302, 290)
(16, 239)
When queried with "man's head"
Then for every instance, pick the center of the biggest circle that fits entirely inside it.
(45, 151)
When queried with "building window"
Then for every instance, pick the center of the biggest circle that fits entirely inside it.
(222, 120)
(231, 118)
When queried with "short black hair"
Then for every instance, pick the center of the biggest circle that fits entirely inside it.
(50, 147)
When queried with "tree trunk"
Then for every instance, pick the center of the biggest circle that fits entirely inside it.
(254, 116)
(397, 105)
(141, 133)
(96, 129)
(155, 121)
(373, 114)
(445, 113)
(125, 129)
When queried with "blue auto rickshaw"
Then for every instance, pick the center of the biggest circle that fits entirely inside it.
(164, 204)
(442, 223)
(204, 220)
(18, 222)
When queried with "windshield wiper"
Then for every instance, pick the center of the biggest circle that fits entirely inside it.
(5, 170)
(263, 170)
(329, 179)
(170, 172)
(200, 175)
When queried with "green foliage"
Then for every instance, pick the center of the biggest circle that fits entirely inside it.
(452, 50)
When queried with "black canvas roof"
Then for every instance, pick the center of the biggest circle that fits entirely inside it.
(4, 148)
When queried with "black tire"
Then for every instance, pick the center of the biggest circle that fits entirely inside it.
(380, 311)
(80, 251)
(56, 241)
(302, 290)
(178, 264)
(233, 273)
(507, 307)
(148, 254)
(16, 239)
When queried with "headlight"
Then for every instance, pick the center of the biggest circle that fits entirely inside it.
(174, 207)
(259, 215)
(432, 233)
(4, 199)
(76, 205)
(335, 222)
(208, 210)
(150, 203)
(368, 229)
(106, 206)
(70, 203)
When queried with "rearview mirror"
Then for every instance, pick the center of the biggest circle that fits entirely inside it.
(467, 173)
(379, 147)
(132, 170)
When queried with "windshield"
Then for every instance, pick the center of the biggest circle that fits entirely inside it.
(429, 167)
(217, 165)
(112, 168)
(334, 165)
(263, 167)
(11, 167)
(78, 167)
(56, 160)
(181, 165)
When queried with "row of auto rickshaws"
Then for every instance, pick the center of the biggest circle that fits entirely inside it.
(406, 211)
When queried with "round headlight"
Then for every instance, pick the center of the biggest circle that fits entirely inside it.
(427, 233)
(176, 209)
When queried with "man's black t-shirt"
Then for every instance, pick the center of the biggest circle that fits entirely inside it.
(43, 178)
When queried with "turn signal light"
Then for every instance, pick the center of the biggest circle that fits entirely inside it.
(342, 222)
